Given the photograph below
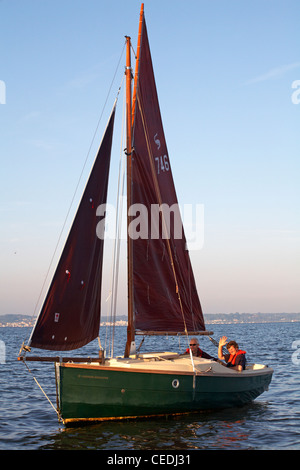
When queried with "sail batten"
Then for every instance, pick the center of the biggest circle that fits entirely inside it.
(70, 315)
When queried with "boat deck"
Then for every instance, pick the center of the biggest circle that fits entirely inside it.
(169, 362)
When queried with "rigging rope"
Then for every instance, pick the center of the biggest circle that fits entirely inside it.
(158, 194)
(41, 388)
(118, 227)
(156, 185)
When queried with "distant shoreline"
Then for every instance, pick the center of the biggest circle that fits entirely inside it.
(210, 319)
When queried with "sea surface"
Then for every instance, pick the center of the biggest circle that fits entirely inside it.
(271, 422)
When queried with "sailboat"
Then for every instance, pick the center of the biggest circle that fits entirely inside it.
(162, 293)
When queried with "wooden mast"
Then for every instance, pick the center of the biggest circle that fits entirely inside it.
(138, 51)
(130, 113)
(128, 73)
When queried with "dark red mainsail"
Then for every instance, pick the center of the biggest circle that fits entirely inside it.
(70, 315)
(165, 297)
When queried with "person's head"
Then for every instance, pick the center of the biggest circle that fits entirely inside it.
(232, 347)
(194, 344)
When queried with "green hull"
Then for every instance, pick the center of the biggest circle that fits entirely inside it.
(103, 393)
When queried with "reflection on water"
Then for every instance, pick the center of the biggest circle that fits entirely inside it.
(215, 430)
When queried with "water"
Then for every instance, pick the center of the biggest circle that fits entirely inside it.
(271, 422)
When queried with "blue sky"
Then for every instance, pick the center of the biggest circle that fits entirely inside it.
(224, 72)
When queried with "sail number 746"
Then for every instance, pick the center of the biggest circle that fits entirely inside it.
(162, 164)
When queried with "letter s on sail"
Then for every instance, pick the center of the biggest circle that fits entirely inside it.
(157, 141)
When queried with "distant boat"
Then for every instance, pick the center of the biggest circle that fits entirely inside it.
(162, 294)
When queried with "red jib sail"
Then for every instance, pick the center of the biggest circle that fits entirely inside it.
(70, 315)
(165, 297)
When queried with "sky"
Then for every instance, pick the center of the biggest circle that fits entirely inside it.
(226, 73)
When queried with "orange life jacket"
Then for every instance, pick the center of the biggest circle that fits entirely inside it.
(232, 357)
(199, 352)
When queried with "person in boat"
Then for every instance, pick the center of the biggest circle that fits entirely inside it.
(196, 351)
(236, 358)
